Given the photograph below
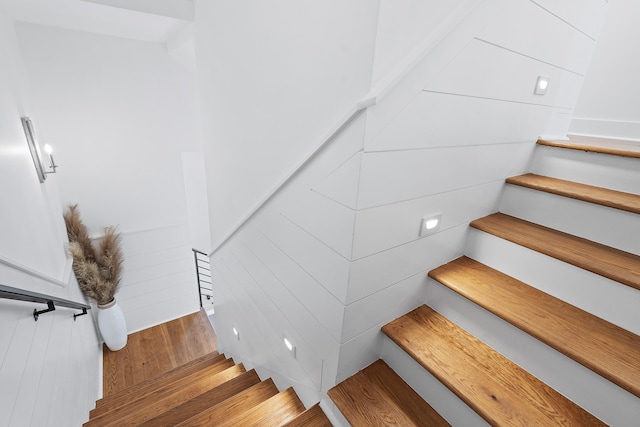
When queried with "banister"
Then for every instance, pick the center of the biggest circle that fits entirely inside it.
(7, 292)
(382, 88)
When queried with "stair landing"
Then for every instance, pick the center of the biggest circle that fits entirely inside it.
(175, 343)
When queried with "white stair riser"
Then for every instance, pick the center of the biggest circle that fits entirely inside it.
(443, 400)
(609, 226)
(597, 395)
(605, 298)
(602, 170)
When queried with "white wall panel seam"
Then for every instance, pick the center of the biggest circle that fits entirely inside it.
(330, 198)
(560, 107)
(527, 56)
(294, 296)
(438, 147)
(396, 282)
(314, 237)
(300, 266)
(301, 335)
(566, 22)
(478, 184)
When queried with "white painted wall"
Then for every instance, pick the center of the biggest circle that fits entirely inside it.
(336, 254)
(119, 114)
(444, 140)
(50, 369)
(608, 104)
(274, 77)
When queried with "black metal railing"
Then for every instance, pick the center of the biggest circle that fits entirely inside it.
(8, 292)
(203, 270)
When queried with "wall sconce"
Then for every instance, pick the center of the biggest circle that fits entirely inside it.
(35, 151)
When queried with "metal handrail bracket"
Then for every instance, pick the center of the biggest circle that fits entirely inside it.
(7, 292)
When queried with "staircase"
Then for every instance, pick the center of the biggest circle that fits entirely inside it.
(537, 324)
(207, 389)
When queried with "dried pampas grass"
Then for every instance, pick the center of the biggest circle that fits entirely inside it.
(98, 271)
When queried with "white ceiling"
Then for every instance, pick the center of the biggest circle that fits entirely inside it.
(148, 20)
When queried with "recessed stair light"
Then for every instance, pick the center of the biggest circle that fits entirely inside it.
(541, 85)
(290, 346)
(430, 224)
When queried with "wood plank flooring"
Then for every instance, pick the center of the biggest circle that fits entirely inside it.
(157, 350)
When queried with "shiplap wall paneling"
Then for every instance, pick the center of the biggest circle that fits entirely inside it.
(431, 120)
(526, 18)
(281, 307)
(159, 279)
(383, 227)
(320, 261)
(312, 295)
(398, 176)
(307, 367)
(474, 73)
(261, 331)
(588, 20)
(379, 271)
(47, 367)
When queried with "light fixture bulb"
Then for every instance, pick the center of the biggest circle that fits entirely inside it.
(431, 223)
(235, 332)
(541, 85)
(288, 344)
(48, 148)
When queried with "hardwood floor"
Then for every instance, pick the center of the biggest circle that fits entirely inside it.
(154, 351)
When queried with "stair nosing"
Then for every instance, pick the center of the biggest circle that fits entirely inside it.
(615, 199)
(413, 409)
(586, 254)
(551, 311)
(590, 148)
(494, 405)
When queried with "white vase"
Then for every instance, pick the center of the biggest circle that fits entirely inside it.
(112, 325)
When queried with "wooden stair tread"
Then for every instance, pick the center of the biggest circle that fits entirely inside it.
(602, 196)
(312, 417)
(242, 401)
(603, 347)
(205, 400)
(377, 396)
(497, 389)
(614, 147)
(142, 388)
(600, 259)
(165, 399)
(273, 412)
